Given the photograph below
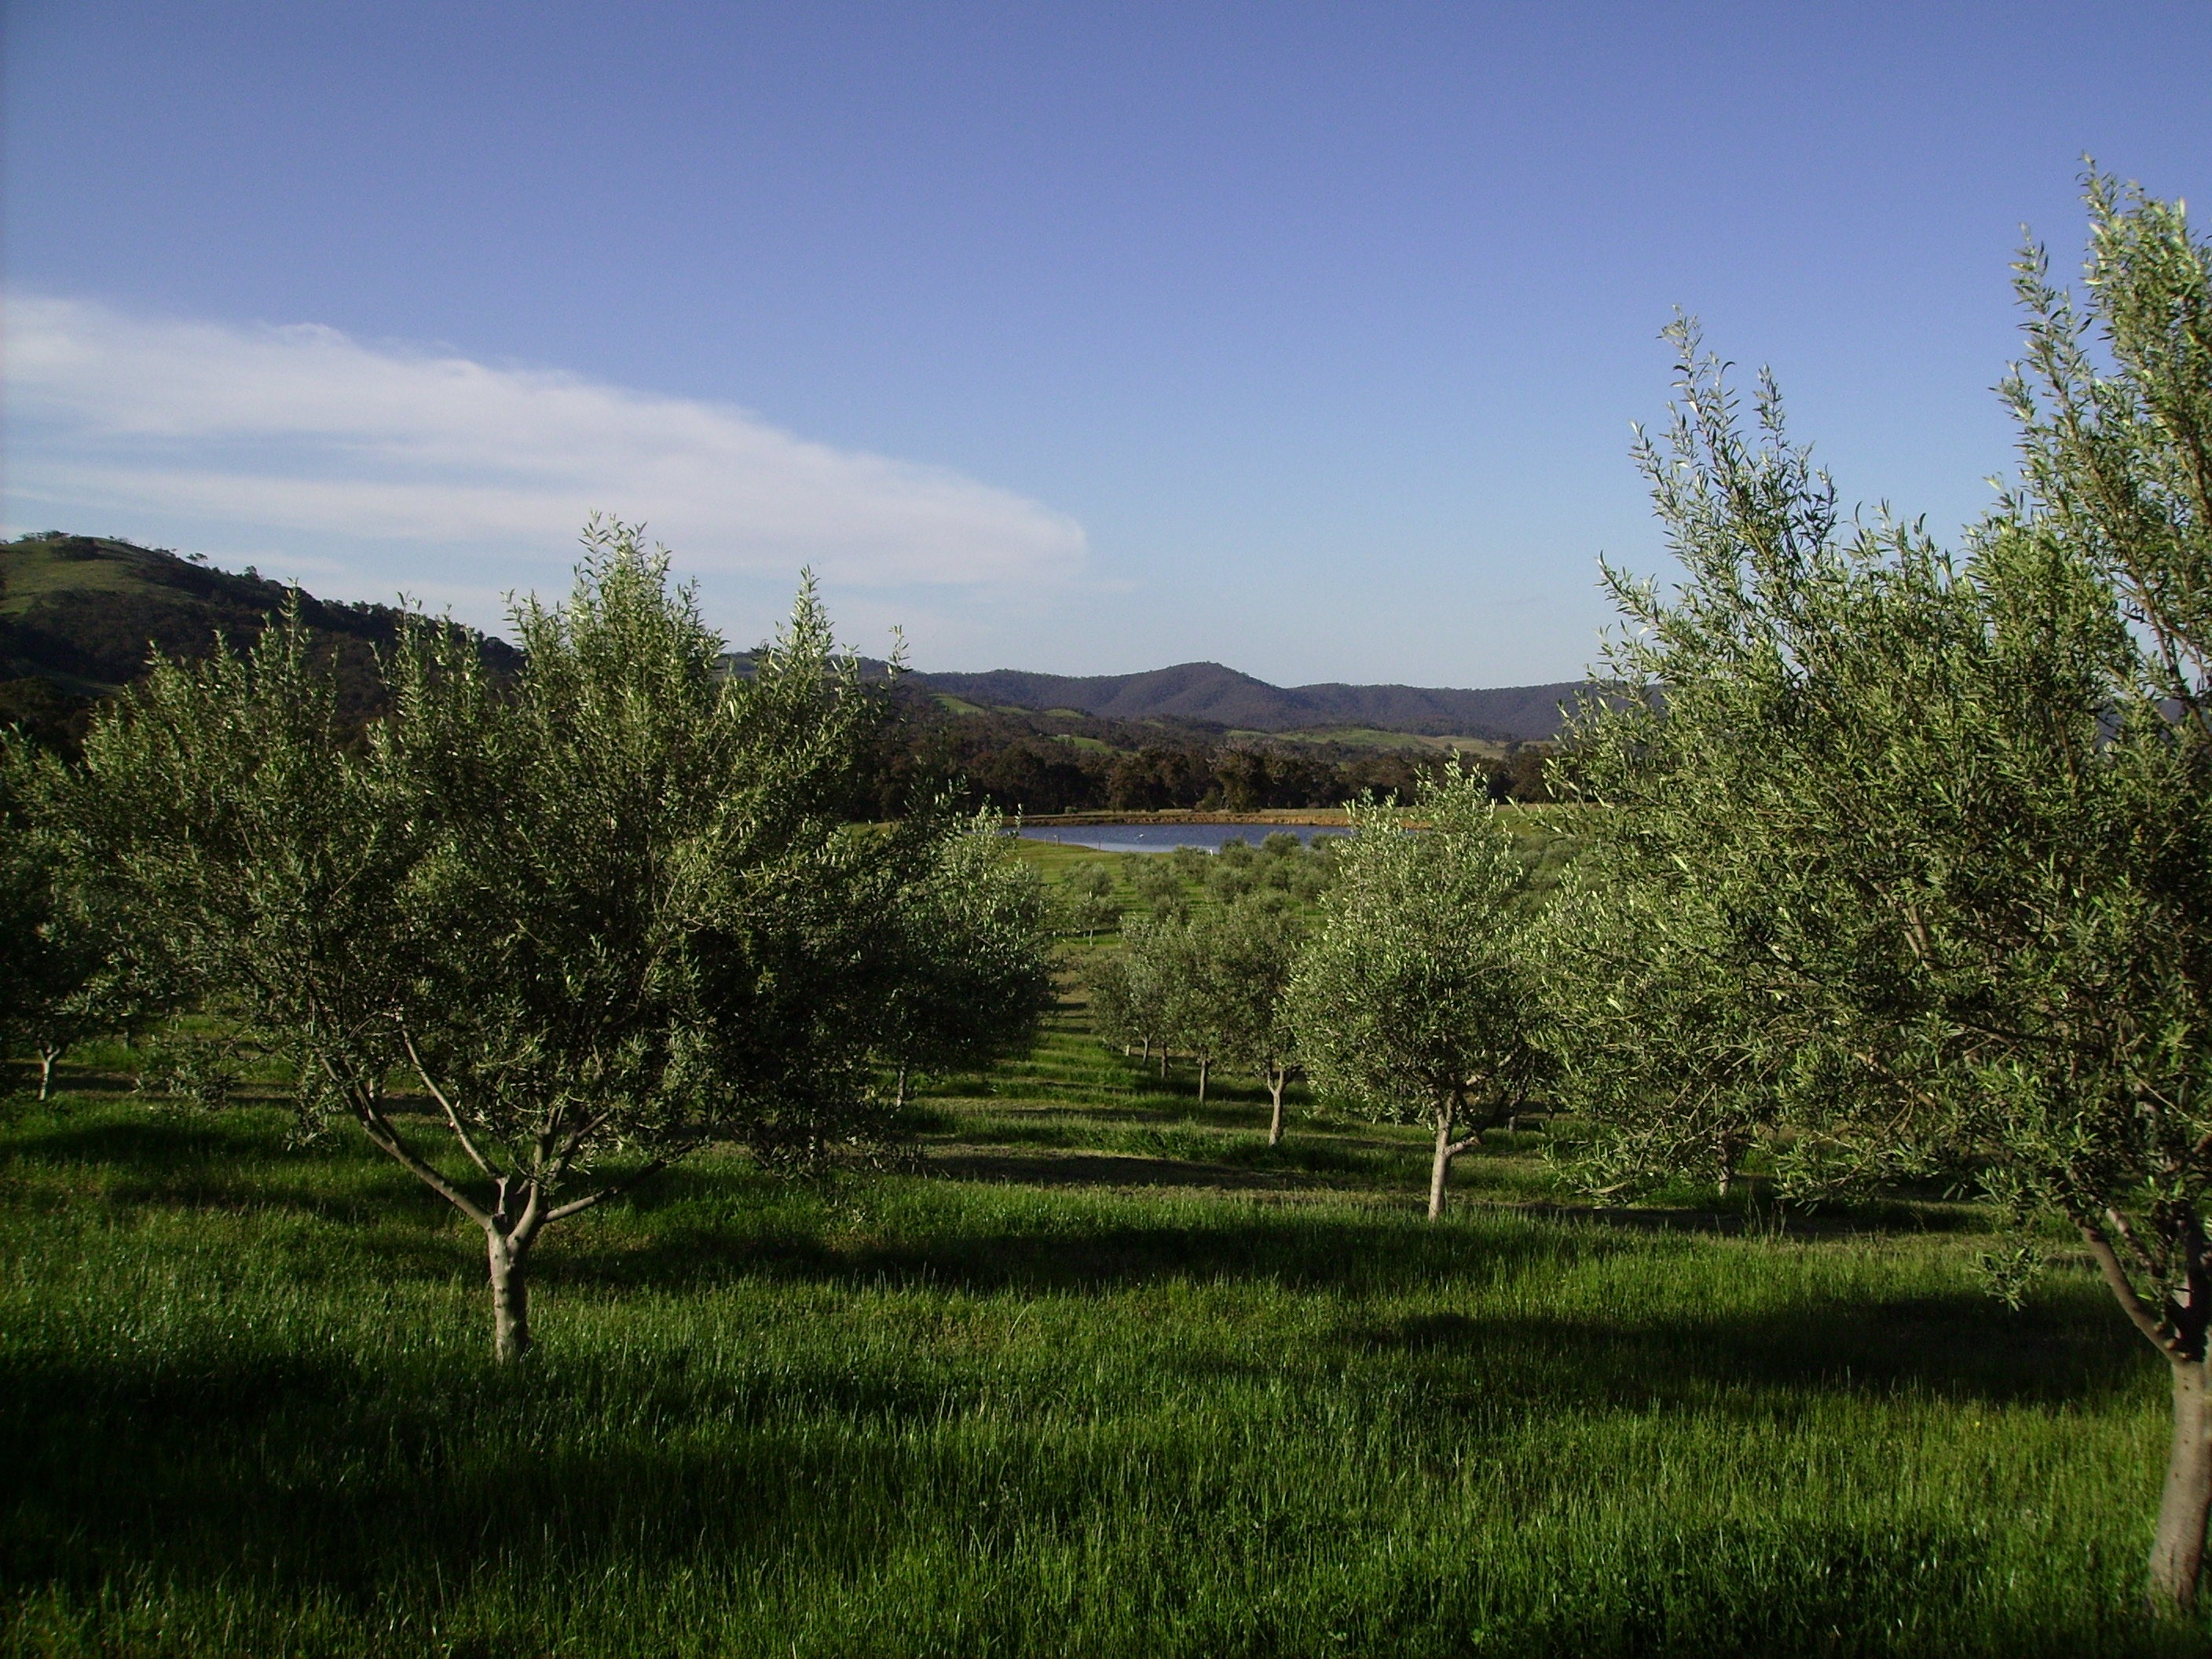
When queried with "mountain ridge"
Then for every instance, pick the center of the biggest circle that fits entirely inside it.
(1218, 694)
(78, 614)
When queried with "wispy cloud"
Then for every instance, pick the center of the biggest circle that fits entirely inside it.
(304, 429)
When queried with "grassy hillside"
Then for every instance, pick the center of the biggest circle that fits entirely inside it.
(79, 615)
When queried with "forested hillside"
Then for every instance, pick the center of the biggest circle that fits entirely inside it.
(1035, 763)
(1207, 691)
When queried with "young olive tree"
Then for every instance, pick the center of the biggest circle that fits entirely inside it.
(1176, 957)
(1941, 831)
(75, 962)
(1244, 952)
(1132, 992)
(600, 917)
(1415, 998)
(975, 936)
(1665, 1069)
(51, 963)
(221, 807)
(1158, 880)
(1175, 947)
(1089, 898)
(1114, 1014)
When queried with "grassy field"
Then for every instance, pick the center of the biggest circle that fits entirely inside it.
(1107, 1376)
(1368, 737)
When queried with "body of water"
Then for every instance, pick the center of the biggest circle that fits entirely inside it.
(1166, 837)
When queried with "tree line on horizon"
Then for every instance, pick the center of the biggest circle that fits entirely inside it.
(1021, 772)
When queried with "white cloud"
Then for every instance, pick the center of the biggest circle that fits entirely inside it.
(305, 429)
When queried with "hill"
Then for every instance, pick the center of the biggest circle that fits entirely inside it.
(80, 614)
(1206, 692)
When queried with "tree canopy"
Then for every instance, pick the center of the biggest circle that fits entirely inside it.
(1924, 841)
(1415, 999)
(1245, 951)
(598, 916)
(974, 970)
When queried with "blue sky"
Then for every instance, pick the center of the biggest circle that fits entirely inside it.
(1078, 337)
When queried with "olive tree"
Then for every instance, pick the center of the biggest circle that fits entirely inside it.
(1176, 949)
(221, 806)
(1177, 957)
(1158, 881)
(598, 918)
(1415, 999)
(1089, 897)
(975, 975)
(1939, 828)
(1666, 1069)
(1119, 1010)
(51, 963)
(1133, 990)
(1242, 953)
(1210, 981)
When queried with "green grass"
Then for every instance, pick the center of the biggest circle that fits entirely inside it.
(35, 568)
(1109, 1378)
(1370, 737)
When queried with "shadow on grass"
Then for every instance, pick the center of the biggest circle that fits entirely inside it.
(697, 1228)
(2067, 1348)
(1079, 1166)
(229, 1160)
(2069, 1345)
(308, 1479)
(394, 1486)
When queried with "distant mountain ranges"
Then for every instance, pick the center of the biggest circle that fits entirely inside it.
(78, 614)
(1207, 693)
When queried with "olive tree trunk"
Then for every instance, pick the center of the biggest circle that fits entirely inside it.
(1447, 1111)
(1277, 1078)
(1440, 1167)
(1204, 1061)
(522, 1203)
(46, 1071)
(2177, 1555)
(510, 1295)
(2177, 1326)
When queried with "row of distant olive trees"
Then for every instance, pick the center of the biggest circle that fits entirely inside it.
(1899, 862)
(1413, 998)
(537, 941)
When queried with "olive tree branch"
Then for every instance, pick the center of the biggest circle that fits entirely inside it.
(388, 1140)
(453, 1117)
(2124, 1291)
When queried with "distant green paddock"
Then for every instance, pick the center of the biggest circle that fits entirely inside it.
(1108, 1378)
(1370, 737)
